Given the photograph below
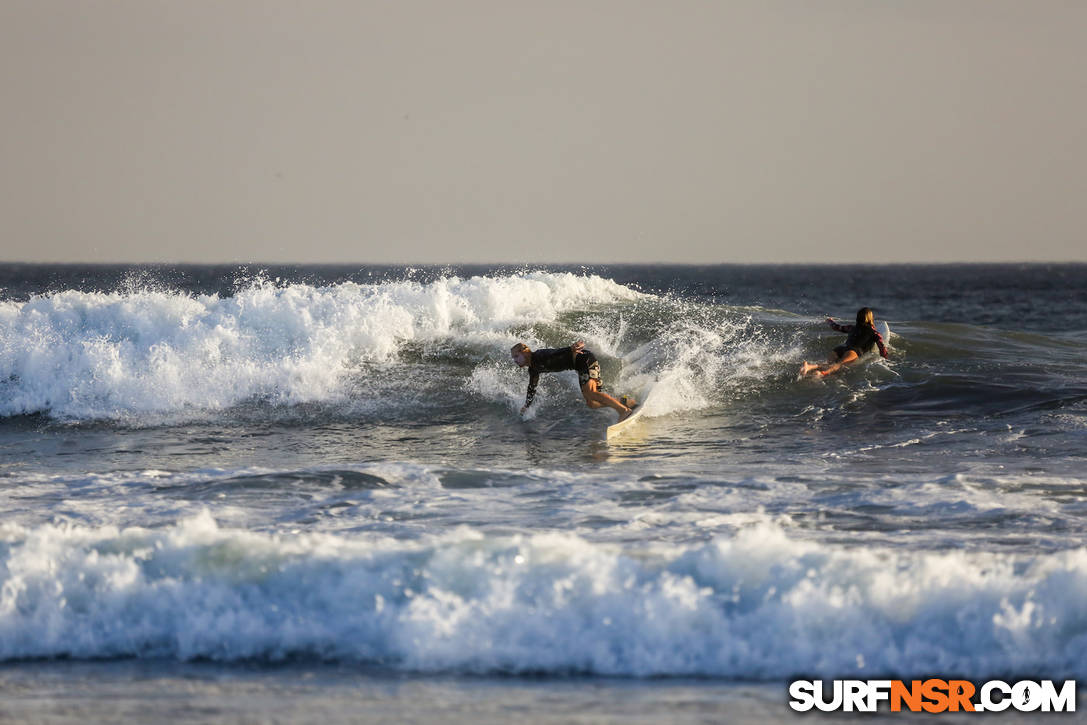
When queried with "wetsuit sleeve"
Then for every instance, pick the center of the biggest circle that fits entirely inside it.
(882, 347)
(533, 378)
(839, 328)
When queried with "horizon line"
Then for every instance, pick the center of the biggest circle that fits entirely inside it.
(237, 263)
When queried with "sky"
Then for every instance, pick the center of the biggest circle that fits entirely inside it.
(587, 131)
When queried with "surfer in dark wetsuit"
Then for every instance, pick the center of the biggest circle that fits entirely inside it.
(862, 338)
(555, 360)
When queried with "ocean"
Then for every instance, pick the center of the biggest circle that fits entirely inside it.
(306, 493)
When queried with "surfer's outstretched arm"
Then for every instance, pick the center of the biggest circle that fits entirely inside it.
(533, 379)
(839, 328)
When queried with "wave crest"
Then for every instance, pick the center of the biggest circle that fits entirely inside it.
(88, 355)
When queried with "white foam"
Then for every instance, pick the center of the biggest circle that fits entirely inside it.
(141, 353)
(701, 358)
(95, 355)
(757, 605)
(506, 384)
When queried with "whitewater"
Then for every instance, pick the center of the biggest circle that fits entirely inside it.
(326, 468)
(84, 355)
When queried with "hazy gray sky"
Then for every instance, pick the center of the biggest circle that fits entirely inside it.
(545, 131)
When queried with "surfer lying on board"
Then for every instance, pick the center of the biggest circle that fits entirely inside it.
(862, 338)
(575, 357)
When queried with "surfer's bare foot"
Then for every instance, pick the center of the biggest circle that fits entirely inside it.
(807, 367)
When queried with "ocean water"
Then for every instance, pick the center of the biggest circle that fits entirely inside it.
(306, 493)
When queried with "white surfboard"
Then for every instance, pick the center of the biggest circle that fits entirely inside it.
(884, 331)
(625, 425)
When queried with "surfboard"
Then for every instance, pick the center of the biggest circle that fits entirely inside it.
(625, 425)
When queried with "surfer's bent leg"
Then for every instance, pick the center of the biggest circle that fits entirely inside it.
(588, 375)
(849, 357)
(594, 398)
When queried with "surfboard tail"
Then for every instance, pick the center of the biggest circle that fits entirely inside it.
(628, 422)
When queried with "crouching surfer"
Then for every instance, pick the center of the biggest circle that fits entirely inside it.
(862, 338)
(575, 357)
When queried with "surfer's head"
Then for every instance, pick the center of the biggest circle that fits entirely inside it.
(865, 317)
(521, 354)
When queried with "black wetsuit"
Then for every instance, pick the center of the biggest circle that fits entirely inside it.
(556, 360)
(861, 340)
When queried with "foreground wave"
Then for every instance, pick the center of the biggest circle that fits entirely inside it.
(758, 605)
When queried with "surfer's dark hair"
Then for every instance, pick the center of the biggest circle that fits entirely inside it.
(520, 347)
(865, 317)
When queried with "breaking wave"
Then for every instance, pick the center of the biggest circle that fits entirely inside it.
(753, 606)
(86, 355)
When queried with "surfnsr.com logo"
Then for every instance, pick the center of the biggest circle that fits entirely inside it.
(933, 695)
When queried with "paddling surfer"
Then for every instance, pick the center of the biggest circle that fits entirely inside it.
(555, 360)
(863, 337)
